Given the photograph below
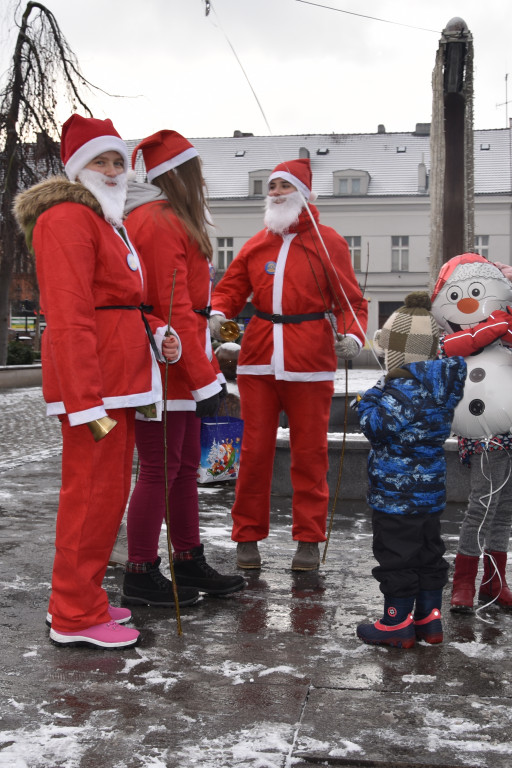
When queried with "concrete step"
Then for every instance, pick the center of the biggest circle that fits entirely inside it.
(354, 480)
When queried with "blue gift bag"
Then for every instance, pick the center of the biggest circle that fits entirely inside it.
(221, 441)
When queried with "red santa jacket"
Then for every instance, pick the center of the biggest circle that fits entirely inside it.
(92, 359)
(292, 275)
(164, 246)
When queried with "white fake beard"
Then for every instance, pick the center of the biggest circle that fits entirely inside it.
(111, 199)
(283, 211)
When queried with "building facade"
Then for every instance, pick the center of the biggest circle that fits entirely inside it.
(372, 188)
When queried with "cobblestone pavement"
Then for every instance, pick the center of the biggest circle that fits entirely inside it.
(26, 434)
(271, 677)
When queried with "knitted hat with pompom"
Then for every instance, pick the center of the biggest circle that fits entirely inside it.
(410, 334)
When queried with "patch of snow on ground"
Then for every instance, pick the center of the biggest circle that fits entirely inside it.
(348, 749)
(46, 746)
(283, 669)
(479, 650)
(419, 678)
(261, 746)
(237, 673)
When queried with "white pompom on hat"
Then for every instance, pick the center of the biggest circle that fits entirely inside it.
(84, 138)
(163, 151)
(297, 172)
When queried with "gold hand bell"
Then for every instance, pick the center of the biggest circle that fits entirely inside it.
(229, 330)
(101, 427)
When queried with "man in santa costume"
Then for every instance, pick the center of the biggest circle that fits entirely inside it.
(99, 365)
(300, 275)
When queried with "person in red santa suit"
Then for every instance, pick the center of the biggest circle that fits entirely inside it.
(297, 271)
(99, 365)
(167, 223)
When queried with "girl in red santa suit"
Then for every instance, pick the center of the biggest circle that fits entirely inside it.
(167, 223)
(98, 367)
(288, 357)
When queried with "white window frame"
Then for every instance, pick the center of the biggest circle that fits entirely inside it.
(399, 253)
(225, 252)
(258, 181)
(355, 248)
(482, 245)
(355, 182)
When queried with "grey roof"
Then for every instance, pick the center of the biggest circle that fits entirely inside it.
(391, 172)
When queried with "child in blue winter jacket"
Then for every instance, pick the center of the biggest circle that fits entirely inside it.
(407, 417)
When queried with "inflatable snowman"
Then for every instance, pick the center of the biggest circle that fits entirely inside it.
(469, 302)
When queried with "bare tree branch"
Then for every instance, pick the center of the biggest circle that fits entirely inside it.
(44, 71)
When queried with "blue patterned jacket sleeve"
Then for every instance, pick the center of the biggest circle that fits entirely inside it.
(407, 424)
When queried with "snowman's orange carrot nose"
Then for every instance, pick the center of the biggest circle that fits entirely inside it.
(468, 306)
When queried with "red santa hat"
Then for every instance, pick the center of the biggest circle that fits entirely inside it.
(298, 173)
(468, 265)
(84, 138)
(163, 151)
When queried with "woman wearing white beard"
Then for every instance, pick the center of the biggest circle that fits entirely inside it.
(98, 367)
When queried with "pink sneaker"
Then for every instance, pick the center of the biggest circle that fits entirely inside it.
(110, 635)
(121, 615)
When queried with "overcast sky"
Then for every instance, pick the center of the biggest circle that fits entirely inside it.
(312, 70)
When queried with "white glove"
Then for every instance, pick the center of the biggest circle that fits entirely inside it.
(215, 323)
(346, 348)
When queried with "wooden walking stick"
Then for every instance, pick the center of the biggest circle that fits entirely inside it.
(340, 468)
(167, 510)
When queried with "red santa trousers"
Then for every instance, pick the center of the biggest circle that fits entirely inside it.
(95, 487)
(307, 406)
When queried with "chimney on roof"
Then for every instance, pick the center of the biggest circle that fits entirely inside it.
(303, 152)
(241, 134)
(422, 129)
(381, 128)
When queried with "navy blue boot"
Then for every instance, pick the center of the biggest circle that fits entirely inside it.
(396, 628)
(427, 616)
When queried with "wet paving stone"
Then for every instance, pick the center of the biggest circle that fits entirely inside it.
(270, 677)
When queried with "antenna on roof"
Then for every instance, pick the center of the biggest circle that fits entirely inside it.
(506, 102)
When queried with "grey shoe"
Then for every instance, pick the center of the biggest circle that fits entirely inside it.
(119, 554)
(247, 554)
(307, 556)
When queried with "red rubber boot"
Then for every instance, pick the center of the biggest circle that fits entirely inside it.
(463, 590)
(494, 582)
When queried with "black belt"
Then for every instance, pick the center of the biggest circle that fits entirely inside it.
(206, 312)
(142, 309)
(289, 318)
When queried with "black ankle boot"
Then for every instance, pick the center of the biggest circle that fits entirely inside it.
(192, 570)
(145, 584)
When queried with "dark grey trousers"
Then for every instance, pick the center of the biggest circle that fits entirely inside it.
(488, 516)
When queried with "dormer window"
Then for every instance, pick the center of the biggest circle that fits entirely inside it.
(258, 182)
(350, 182)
